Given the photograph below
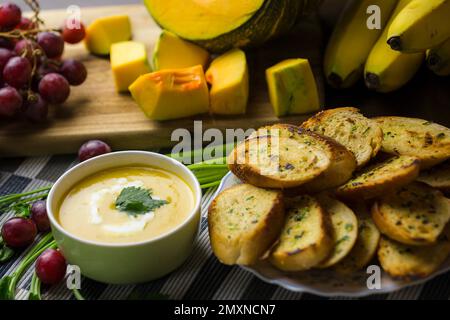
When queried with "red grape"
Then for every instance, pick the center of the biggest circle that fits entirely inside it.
(74, 71)
(25, 24)
(19, 232)
(5, 55)
(17, 72)
(48, 66)
(51, 43)
(51, 266)
(10, 101)
(10, 15)
(92, 149)
(73, 31)
(6, 43)
(36, 109)
(39, 215)
(54, 88)
(25, 47)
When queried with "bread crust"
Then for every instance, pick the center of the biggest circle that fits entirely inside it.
(300, 256)
(366, 244)
(348, 126)
(342, 161)
(380, 178)
(437, 177)
(412, 262)
(415, 214)
(428, 141)
(345, 229)
(289, 172)
(249, 244)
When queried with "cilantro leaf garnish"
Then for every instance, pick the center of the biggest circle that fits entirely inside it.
(136, 200)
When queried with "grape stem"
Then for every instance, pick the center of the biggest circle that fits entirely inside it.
(16, 34)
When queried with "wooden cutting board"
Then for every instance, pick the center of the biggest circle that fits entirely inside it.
(95, 111)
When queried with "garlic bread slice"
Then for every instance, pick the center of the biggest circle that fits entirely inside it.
(345, 229)
(428, 141)
(415, 214)
(349, 127)
(306, 236)
(277, 162)
(412, 262)
(342, 161)
(366, 244)
(244, 221)
(380, 178)
(437, 177)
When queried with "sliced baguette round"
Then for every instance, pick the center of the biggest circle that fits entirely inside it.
(412, 262)
(428, 141)
(437, 177)
(366, 244)
(277, 162)
(244, 221)
(345, 229)
(380, 178)
(306, 236)
(342, 161)
(415, 214)
(349, 127)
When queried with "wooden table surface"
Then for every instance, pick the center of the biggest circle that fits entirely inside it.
(93, 108)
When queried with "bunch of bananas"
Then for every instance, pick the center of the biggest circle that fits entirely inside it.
(388, 57)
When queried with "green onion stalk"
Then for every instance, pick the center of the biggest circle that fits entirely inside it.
(9, 283)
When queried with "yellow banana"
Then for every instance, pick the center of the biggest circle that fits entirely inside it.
(352, 41)
(438, 59)
(387, 70)
(421, 25)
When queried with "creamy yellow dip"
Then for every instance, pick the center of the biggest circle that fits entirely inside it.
(89, 212)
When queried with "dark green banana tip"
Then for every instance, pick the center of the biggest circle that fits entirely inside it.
(395, 43)
(433, 60)
(335, 80)
(372, 81)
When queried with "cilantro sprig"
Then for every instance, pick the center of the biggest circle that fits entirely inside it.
(135, 201)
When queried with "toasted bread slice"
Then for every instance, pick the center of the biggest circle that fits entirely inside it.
(342, 161)
(412, 262)
(345, 229)
(277, 162)
(347, 126)
(438, 177)
(306, 236)
(415, 214)
(380, 178)
(244, 221)
(428, 141)
(366, 244)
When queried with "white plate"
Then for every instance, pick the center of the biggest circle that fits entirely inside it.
(325, 282)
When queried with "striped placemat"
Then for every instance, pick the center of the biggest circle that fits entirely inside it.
(200, 277)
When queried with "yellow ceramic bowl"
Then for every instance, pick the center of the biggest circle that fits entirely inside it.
(126, 263)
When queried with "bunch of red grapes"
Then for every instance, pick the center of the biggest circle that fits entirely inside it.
(32, 73)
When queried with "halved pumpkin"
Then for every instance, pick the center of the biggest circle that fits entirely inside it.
(221, 25)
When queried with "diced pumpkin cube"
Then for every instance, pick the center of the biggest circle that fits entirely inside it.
(172, 52)
(228, 76)
(292, 87)
(171, 94)
(105, 31)
(128, 62)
